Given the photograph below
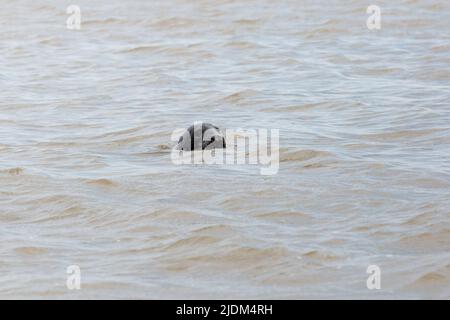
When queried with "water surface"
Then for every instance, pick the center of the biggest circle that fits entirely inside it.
(86, 176)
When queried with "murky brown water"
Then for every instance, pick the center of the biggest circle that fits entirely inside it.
(86, 176)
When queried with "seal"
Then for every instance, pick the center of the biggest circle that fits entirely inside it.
(201, 136)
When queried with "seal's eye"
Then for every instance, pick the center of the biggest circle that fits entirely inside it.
(213, 139)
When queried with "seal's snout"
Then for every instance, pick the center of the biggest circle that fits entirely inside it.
(201, 136)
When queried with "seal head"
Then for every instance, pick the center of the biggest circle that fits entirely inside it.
(201, 136)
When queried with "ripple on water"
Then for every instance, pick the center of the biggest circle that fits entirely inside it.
(101, 182)
(302, 155)
(31, 251)
(13, 171)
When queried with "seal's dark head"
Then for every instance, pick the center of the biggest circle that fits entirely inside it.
(201, 136)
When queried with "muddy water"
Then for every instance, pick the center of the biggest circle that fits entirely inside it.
(86, 176)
